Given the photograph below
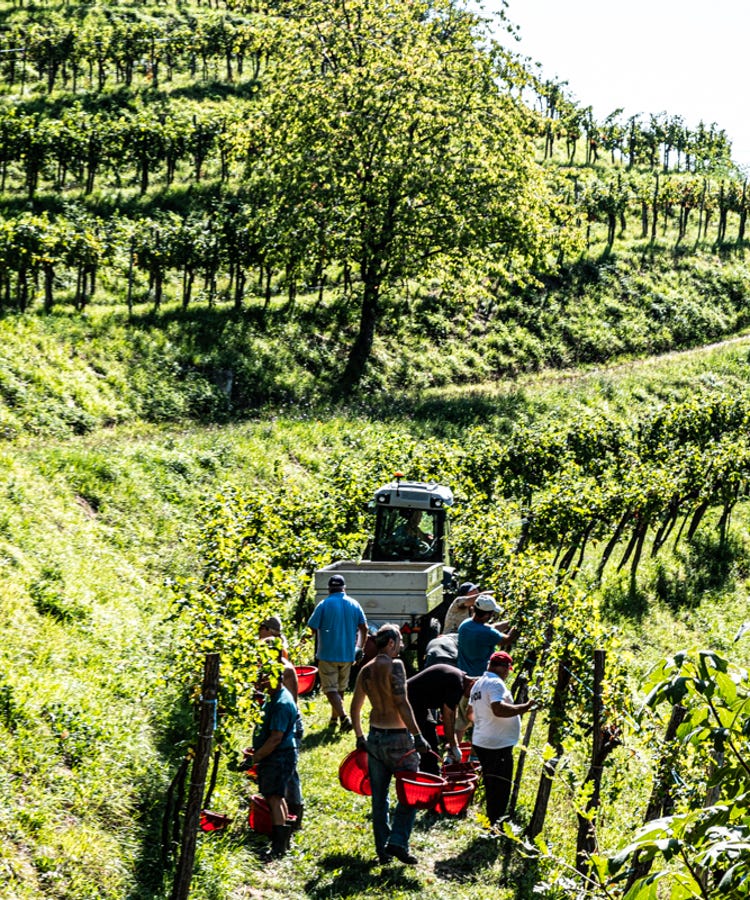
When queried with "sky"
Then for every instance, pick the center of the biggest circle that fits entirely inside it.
(683, 57)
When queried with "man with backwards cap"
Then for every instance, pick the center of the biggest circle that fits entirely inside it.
(461, 608)
(270, 627)
(497, 729)
(340, 629)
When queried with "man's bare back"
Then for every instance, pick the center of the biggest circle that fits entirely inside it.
(384, 682)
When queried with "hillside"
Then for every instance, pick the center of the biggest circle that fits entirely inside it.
(254, 258)
(93, 724)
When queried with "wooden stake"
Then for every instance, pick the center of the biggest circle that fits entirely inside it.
(184, 873)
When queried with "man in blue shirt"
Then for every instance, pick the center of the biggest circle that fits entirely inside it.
(275, 755)
(340, 628)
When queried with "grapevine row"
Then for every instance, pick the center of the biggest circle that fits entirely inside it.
(82, 147)
(109, 48)
(654, 141)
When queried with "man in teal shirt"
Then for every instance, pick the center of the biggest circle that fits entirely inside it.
(275, 755)
(477, 639)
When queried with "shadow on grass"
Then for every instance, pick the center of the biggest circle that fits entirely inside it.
(448, 415)
(352, 875)
(322, 738)
(469, 864)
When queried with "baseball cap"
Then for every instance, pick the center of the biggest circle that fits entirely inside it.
(273, 624)
(336, 581)
(501, 658)
(486, 603)
(467, 587)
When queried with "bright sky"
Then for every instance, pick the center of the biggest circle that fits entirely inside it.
(683, 57)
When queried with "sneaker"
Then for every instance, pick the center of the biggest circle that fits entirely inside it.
(401, 854)
(346, 724)
(333, 722)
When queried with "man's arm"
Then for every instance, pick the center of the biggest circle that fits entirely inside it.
(505, 710)
(269, 745)
(361, 636)
(400, 699)
(291, 681)
(355, 710)
(449, 723)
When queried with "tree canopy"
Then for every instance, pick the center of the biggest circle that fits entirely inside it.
(393, 140)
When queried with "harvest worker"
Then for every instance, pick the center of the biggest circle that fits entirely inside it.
(275, 755)
(442, 649)
(271, 627)
(438, 687)
(477, 638)
(389, 745)
(293, 795)
(497, 729)
(461, 608)
(340, 629)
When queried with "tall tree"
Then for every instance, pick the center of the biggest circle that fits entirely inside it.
(396, 141)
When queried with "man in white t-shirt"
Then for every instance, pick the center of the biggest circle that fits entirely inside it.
(497, 729)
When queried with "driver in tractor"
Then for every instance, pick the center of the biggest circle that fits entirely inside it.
(408, 538)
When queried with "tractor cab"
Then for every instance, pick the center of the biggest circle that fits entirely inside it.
(411, 523)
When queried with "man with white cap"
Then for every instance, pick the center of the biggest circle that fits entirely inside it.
(477, 638)
(497, 729)
(340, 628)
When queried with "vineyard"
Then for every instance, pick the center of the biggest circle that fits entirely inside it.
(254, 258)
(185, 156)
(543, 498)
(591, 525)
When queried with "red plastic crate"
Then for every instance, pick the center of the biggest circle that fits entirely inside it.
(213, 821)
(259, 817)
(455, 798)
(465, 748)
(420, 789)
(354, 773)
(306, 676)
(462, 770)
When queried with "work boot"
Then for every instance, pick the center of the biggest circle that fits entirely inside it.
(401, 854)
(296, 809)
(280, 837)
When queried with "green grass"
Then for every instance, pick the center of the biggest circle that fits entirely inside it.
(91, 525)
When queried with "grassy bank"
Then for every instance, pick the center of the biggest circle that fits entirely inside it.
(99, 509)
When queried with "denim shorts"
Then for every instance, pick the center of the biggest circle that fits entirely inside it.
(275, 772)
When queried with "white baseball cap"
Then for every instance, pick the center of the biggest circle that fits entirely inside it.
(486, 603)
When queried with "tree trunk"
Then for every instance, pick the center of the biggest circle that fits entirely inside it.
(660, 803)
(362, 347)
(184, 873)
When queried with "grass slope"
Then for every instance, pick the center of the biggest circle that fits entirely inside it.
(98, 508)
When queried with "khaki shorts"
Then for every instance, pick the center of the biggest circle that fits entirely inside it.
(334, 676)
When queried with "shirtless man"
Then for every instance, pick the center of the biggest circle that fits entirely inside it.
(389, 744)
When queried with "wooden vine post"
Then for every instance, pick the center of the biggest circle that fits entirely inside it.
(554, 739)
(184, 873)
(603, 742)
(520, 695)
(661, 802)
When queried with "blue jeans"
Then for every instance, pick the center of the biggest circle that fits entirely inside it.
(388, 752)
